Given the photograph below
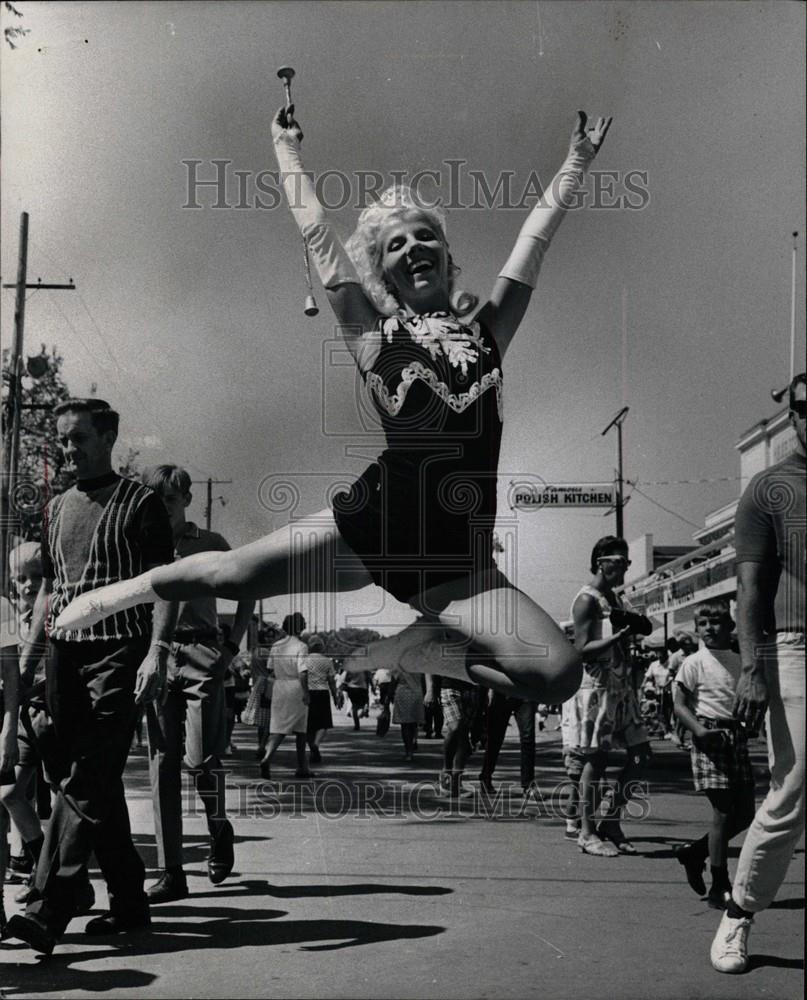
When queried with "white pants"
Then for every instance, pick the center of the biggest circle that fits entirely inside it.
(779, 822)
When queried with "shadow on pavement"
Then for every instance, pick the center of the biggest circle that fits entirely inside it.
(773, 961)
(54, 976)
(787, 904)
(190, 928)
(358, 889)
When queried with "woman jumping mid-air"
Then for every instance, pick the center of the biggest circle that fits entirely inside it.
(418, 522)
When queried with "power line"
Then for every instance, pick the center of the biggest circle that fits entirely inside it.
(665, 509)
(687, 482)
(103, 368)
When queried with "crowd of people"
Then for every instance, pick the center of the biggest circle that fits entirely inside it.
(125, 613)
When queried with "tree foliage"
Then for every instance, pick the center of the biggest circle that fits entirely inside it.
(14, 32)
(41, 465)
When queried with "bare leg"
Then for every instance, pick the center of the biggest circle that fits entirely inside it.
(629, 780)
(302, 763)
(305, 557)
(499, 638)
(274, 742)
(593, 770)
(20, 807)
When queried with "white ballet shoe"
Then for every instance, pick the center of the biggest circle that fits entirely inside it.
(90, 608)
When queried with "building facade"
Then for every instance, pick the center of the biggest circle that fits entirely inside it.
(670, 589)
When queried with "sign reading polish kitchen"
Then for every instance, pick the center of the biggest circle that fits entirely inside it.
(561, 496)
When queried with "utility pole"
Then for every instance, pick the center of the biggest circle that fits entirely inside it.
(13, 411)
(620, 503)
(210, 482)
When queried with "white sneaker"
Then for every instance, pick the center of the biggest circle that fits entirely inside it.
(730, 947)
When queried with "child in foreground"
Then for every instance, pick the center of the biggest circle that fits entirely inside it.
(721, 768)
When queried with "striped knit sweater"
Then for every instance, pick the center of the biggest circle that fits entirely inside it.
(131, 532)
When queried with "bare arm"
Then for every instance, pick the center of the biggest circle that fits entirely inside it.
(303, 677)
(703, 738)
(150, 681)
(751, 699)
(10, 675)
(34, 646)
(585, 615)
(684, 713)
(428, 697)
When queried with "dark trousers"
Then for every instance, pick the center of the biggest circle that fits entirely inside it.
(499, 711)
(90, 697)
(434, 712)
(195, 698)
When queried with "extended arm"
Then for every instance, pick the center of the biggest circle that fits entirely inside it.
(751, 699)
(335, 269)
(514, 287)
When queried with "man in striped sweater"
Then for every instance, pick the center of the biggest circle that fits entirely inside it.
(103, 529)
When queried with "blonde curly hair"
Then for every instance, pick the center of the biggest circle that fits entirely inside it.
(364, 249)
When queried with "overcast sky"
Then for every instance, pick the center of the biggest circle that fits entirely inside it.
(190, 321)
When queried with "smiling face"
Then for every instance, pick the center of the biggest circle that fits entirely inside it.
(414, 260)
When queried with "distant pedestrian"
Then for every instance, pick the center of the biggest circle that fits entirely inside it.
(258, 709)
(500, 709)
(460, 704)
(321, 688)
(357, 686)
(290, 698)
(407, 709)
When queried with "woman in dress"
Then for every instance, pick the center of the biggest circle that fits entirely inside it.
(289, 695)
(258, 710)
(419, 521)
(321, 688)
(408, 710)
(604, 714)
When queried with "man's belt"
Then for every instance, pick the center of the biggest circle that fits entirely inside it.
(733, 724)
(191, 635)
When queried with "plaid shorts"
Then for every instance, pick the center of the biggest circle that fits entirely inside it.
(459, 706)
(727, 767)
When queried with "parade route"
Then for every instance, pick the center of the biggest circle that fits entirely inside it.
(385, 890)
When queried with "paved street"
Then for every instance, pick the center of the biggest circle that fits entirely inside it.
(364, 884)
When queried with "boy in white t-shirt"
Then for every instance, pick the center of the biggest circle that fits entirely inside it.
(704, 699)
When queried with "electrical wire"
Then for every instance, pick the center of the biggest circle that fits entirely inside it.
(662, 507)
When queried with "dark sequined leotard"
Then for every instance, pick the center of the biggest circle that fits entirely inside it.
(423, 514)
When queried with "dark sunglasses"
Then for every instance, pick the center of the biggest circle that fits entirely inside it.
(799, 407)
